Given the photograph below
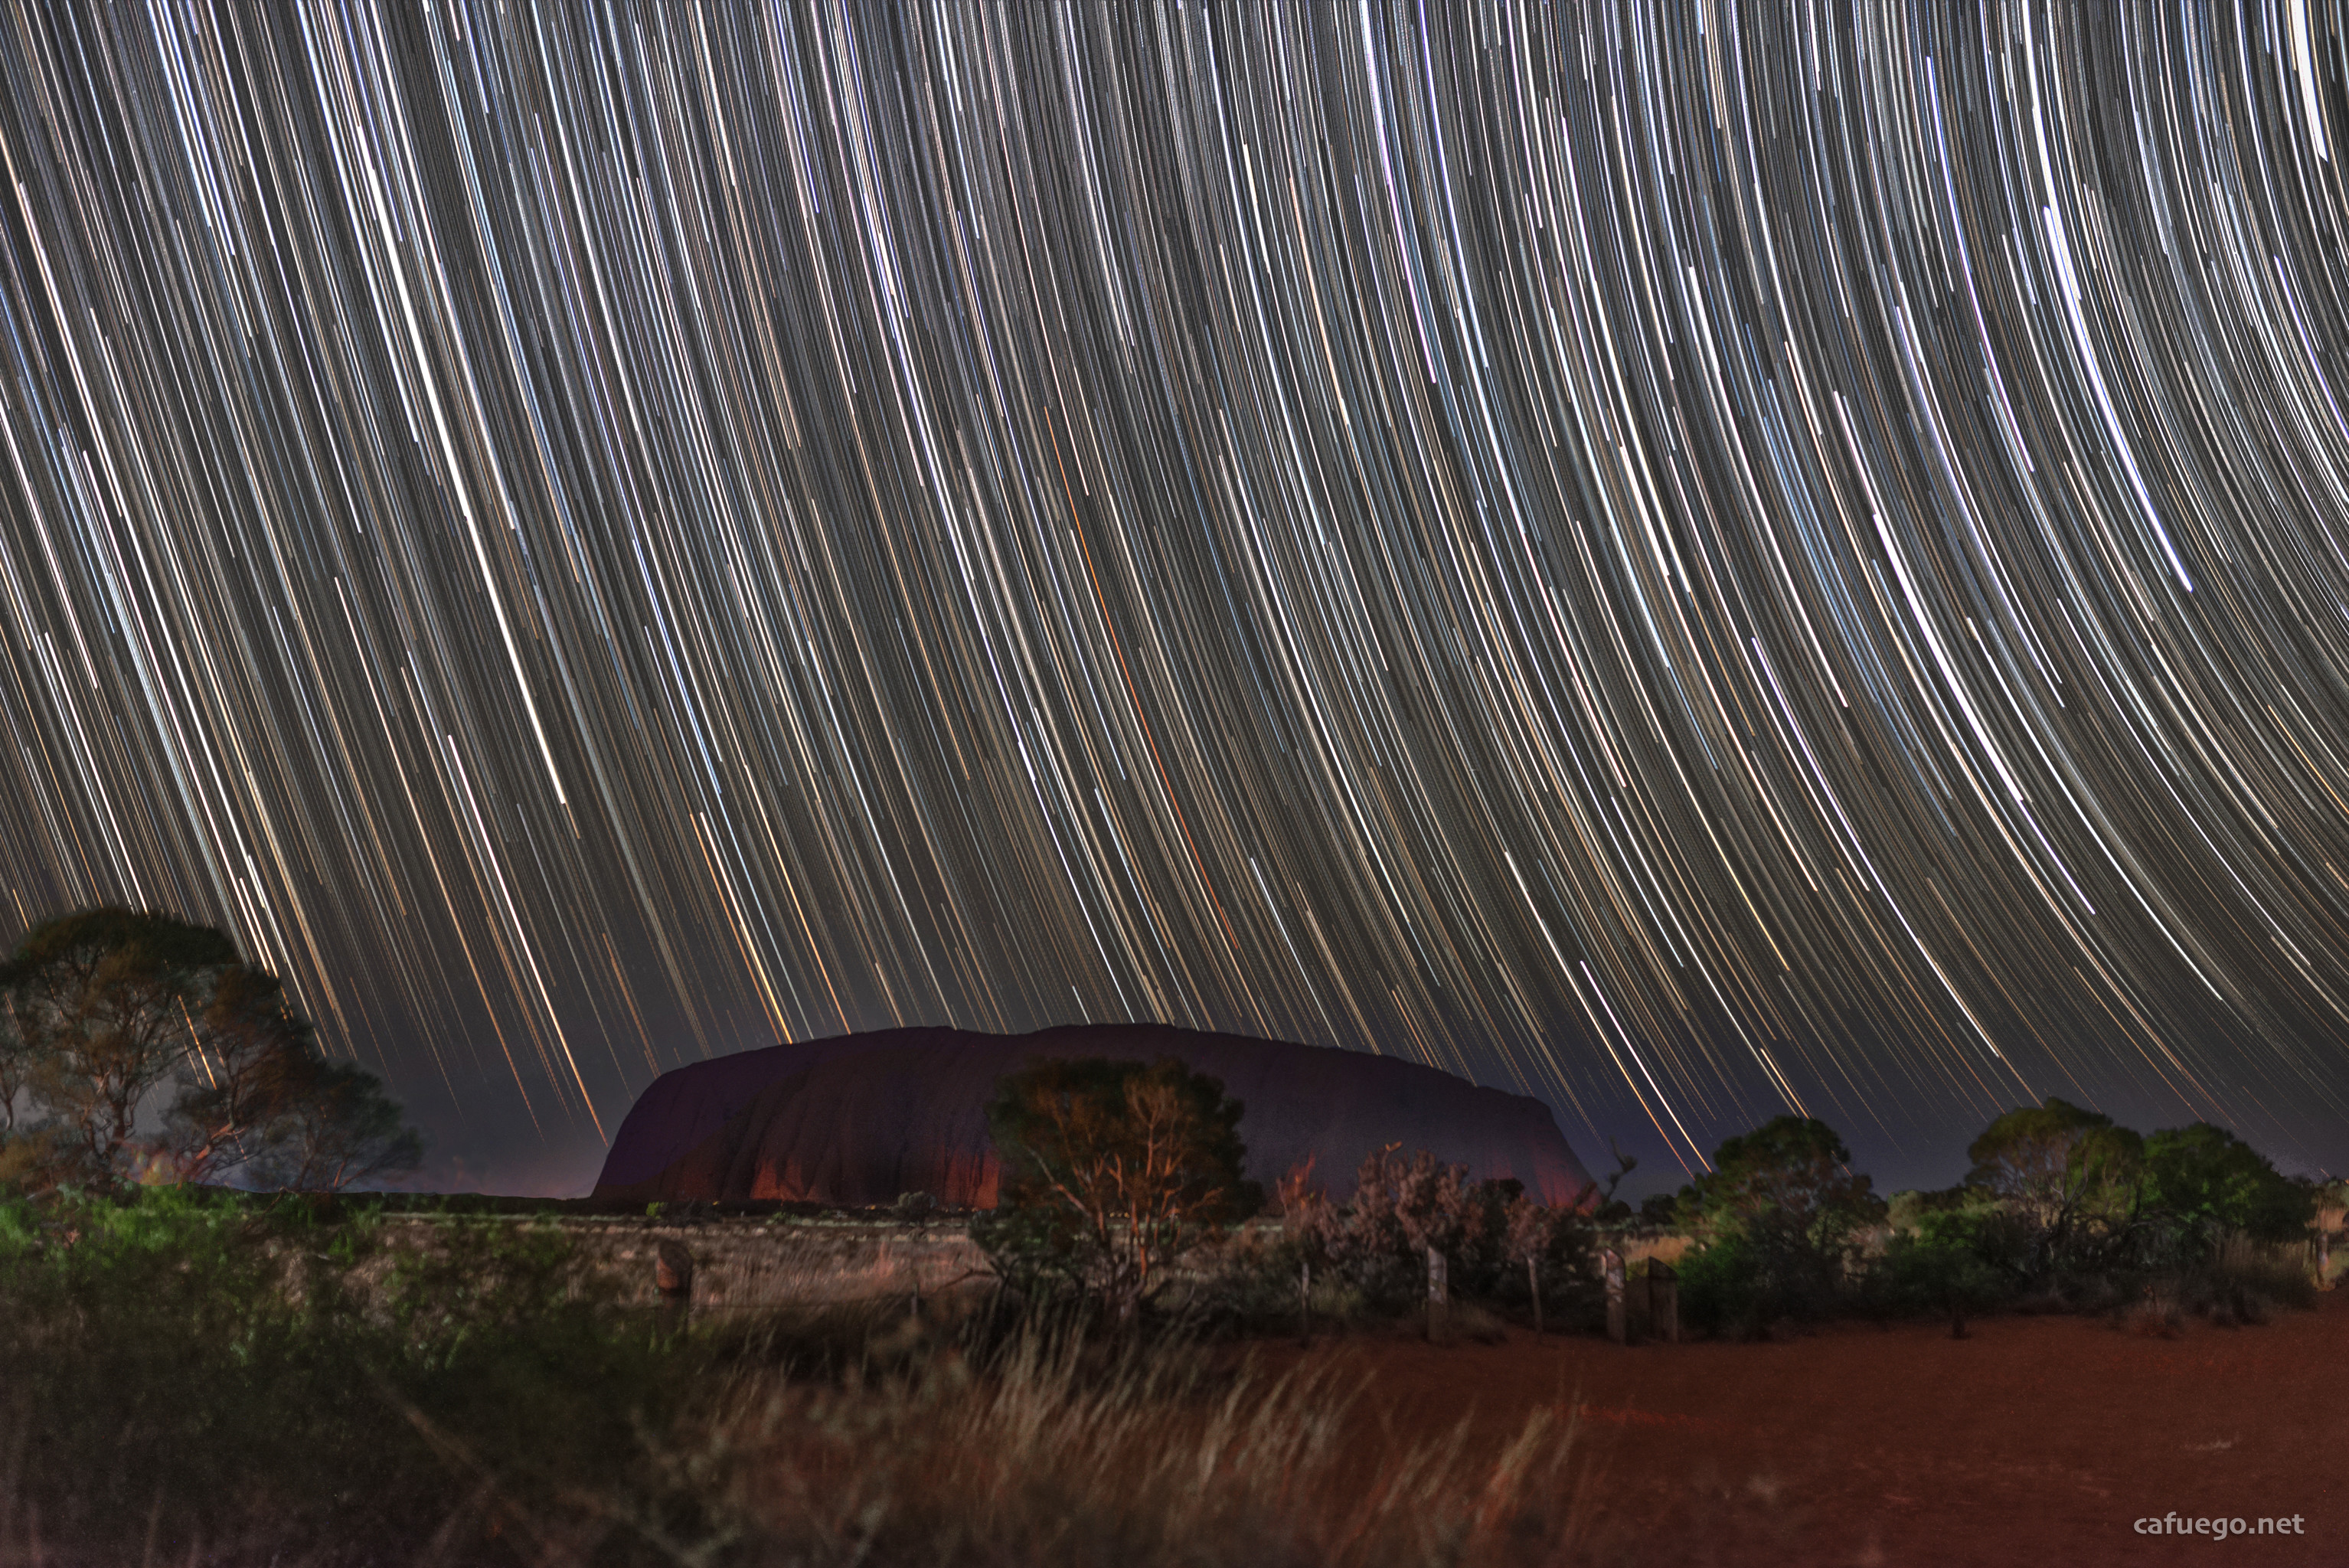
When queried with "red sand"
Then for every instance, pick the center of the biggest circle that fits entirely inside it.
(2036, 1440)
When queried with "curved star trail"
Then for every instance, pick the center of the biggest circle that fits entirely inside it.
(1691, 560)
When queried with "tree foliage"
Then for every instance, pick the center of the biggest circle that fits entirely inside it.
(103, 1000)
(2068, 1174)
(1793, 1175)
(106, 1012)
(335, 1129)
(1778, 1219)
(1110, 1168)
(2205, 1181)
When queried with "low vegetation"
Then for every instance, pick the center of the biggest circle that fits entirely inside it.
(2062, 1211)
(194, 1377)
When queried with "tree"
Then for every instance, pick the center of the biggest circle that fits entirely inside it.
(238, 1080)
(1792, 1175)
(2068, 1173)
(334, 1127)
(105, 1000)
(106, 1007)
(1112, 1167)
(16, 1060)
(2203, 1181)
(1778, 1217)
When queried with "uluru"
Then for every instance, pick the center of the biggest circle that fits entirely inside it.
(858, 1119)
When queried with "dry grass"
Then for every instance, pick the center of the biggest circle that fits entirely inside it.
(1053, 1450)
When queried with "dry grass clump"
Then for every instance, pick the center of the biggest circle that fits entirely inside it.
(1049, 1449)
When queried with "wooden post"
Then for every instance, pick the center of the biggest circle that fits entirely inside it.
(2324, 1253)
(1533, 1282)
(1439, 1295)
(673, 1279)
(1617, 1329)
(1664, 1301)
(1304, 1304)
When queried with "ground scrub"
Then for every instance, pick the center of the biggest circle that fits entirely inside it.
(236, 1373)
(2062, 1210)
(208, 1377)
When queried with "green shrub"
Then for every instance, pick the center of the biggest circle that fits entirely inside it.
(1723, 1290)
(1953, 1261)
(2202, 1182)
(1780, 1221)
(235, 1371)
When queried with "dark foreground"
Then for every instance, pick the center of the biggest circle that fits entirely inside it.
(2036, 1440)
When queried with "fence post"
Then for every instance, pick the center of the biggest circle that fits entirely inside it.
(673, 1279)
(1533, 1280)
(1304, 1302)
(1663, 1283)
(1617, 1329)
(1439, 1296)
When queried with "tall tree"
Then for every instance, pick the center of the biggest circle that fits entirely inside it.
(1123, 1162)
(2068, 1173)
(107, 1008)
(106, 1000)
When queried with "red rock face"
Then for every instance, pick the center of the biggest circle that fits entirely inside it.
(861, 1118)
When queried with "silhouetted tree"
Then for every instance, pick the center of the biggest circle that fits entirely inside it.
(239, 1079)
(106, 1008)
(105, 999)
(2068, 1174)
(1112, 1167)
(335, 1129)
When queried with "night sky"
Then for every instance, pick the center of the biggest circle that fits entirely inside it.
(1686, 558)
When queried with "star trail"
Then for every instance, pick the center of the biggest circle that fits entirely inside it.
(1687, 559)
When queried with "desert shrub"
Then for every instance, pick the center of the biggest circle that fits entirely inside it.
(1553, 1248)
(2245, 1275)
(1723, 1290)
(1778, 1222)
(1957, 1262)
(1369, 1255)
(1247, 1281)
(219, 1369)
(2202, 1184)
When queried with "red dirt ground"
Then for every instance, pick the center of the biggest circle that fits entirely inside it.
(2036, 1440)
